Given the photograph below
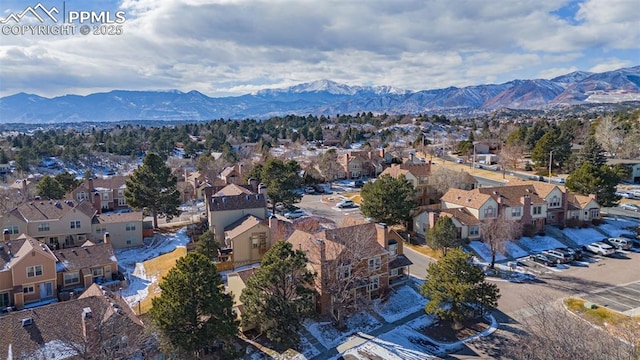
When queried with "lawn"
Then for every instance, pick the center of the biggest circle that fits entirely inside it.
(158, 267)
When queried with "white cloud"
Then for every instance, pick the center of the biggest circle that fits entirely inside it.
(233, 47)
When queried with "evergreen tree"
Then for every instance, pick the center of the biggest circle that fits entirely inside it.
(279, 294)
(457, 289)
(551, 141)
(154, 187)
(591, 152)
(3, 157)
(281, 179)
(207, 245)
(443, 235)
(193, 312)
(388, 200)
(67, 181)
(600, 181)
(49, 188)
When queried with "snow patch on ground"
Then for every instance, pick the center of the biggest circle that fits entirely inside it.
(540, 243)
(583, 236)
(131, 260)
(615, 227)
(330, 337)
(484, 252)
(397, 344)
(515, 251)
(402, 302)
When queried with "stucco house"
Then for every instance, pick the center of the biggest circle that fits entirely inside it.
(106, 194)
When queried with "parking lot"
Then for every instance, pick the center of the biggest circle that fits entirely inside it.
(624, 299)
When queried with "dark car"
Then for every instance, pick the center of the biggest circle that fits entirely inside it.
(578, 253)
(567, 252)
(544, 260)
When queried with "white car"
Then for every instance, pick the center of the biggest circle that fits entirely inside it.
(295, 214)
(345, 204)
(629, 206)
(600, 248)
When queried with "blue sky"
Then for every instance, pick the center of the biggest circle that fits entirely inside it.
(234, 47)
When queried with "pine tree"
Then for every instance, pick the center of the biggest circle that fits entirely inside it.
(388, 200)
(457, 289)
(279, 294)
(207, 245)
(154, 187)
(443, 235)
(49, 188)
(193, 311)
(591, 152)
(600, 181)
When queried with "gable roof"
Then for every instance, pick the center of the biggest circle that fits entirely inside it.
(46, 333)
(40, 210)
(417, 170)
(14, 250)
(73, 259)
(236, 202)
(542, 188)
(112, 182)
(244, 224)
(579, 202)
(468, 198)
(512, 195)
(115, 217)
(462, 215)
(233, 189)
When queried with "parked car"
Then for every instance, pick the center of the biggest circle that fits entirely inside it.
(310, 190)
(543, 259)
(568, 252)
(345, 204)
(295, 214)
(629, 206)
(600, 248)
(618, 243)
(578, 253)
(559, 256)
(624, 194)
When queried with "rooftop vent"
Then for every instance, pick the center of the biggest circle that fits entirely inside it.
(86, 313)
(27, 321)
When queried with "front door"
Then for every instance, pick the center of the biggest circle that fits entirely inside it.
(46, 290)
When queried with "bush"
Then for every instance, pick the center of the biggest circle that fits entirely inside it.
(528, 167)
(574, 223)
(596, 222)
(561, 226)
(528, 230)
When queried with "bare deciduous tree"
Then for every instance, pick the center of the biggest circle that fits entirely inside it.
(510, 155)
(551, 332)
(609, 135)
(443, 179)
(496, 232)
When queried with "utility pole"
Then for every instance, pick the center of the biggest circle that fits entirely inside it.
(550, 162)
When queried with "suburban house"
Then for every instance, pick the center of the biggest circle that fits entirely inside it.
(467, 224)
(232, 174)
(356, 164)
(127, 229)
(191, 185)
(27, 272)
(238, 218)
(82, 266)
(236, 282)
(582, 208)
(359, 261)
(634, 166)
(106, 194)
(418, 175)
(98, 322)
(63, 223)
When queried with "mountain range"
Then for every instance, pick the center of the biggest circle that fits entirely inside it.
(325, 97)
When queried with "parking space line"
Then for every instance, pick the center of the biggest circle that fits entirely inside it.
(608, 300)
(632, 299)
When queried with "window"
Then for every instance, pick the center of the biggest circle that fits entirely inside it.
(46, 290)
(555, 201)
(120, 193)
(393, 249)
(131, 227)
(537, 210)
(474, 230)
(375, 263)
(83, 196)
(374, 283)
(594, 213)
(33, 271)
(489, 212)
(13, 229)
(254, 242)
(393, 272)
(122, 201)
(516, 212)
(105, 196)
(129, 241)
(5, 300)
(28, 289)
(71, 278)
(75, 224)
(97, 272)
(258, 239)
(344, 271)
(43, 227)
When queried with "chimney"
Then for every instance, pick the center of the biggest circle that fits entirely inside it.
(25, 188)
(323, 251)
(411, 157)
(262, 190)
(526, 202)
(106, 238)
(382, 234)
(593, 196)
(90, 184)
(253, 182)
(382, 153)
(97, 202)
(433, 217)
(6, 235)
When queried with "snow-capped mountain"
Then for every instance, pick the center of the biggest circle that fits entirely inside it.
(324, 97)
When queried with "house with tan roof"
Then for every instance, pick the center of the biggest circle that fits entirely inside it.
(363, 260)
(233, 174)
(468, 225)
(583, 208)
(555, 197)
(356, 164)
(98, 322)
(27, 272)
(236, 282)
(58, 223)
(79, 267)
(106, 194)
(418, 175)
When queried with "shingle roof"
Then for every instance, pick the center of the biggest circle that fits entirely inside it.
(233, 189)
(14, 250)
(542, 188)
(417, 170)
(113, 182)
(39, 210)
(463, 215)
(78, 258)
(577, 201)
(224, 203)
(467, 198)
(246, 273)
(56, 324)
(242, 225)
(107, 218)
(512, 195)
(399, 261)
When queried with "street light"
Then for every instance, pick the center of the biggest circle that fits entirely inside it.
(550, 162)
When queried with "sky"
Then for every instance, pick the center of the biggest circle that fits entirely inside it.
(235, 47)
